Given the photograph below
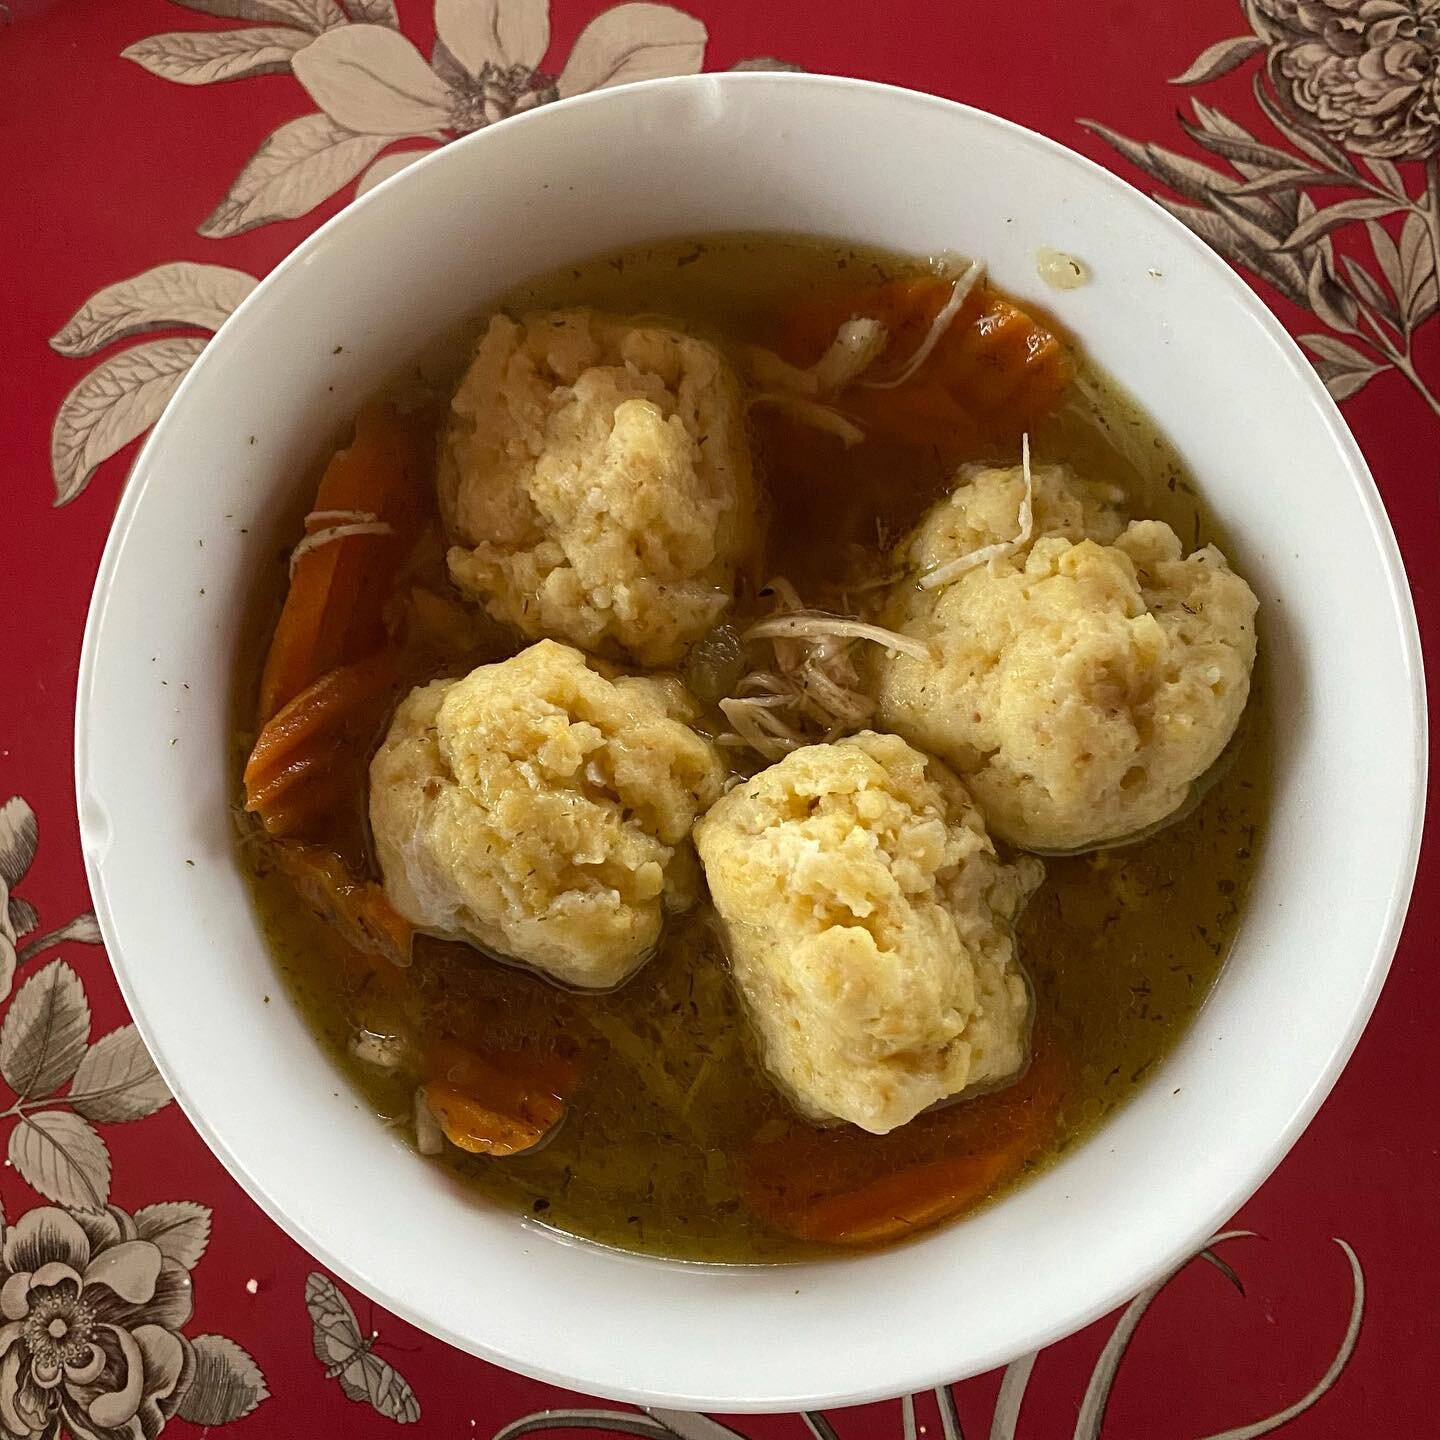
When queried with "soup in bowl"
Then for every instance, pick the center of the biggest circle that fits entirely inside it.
(745, 720)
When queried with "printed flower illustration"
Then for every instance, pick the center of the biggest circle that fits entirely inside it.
(373, 86)
(1366, 71)
(91, 1334)
(485, 67)
(92, 1341)
(1349, 88)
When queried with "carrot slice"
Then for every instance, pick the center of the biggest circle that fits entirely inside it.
(358, 909)
(899, 1205)
(305, 757)
(993, 361)
(500, 1104)
(333, 611)
(843, 1187)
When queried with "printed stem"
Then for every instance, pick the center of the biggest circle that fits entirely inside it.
(1377, 337)
(1399, 359)
(1404, 365)
(82, 928)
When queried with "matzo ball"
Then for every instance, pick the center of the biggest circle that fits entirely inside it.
(542, 811)
(1084, 681)
(867, 920)
(595, 479)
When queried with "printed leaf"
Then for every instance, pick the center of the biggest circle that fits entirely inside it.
(1331, 302)
(1322, 222)
(1290, 179)
(19, 835)
(204, 57)
(372, 81)
(118, 400)
(633, 42)
(59, 1155)
(1219, 59)
(311, 15)
(227, 1384)
(45, 1032)
(180, 1228)
(1191, 179)
(1252, 152)
(1388, 257)
(1342, 367)
(1091, 1417)
(1278, 204)
(1417, 268)
(1388, 175)
(1370, 291)
(373, 12)
(1333, 1371)
(1217, 122)
(385, 167)
(23, 916)
(1006, 1416)
(117, 1080)
(183, 293)
(1318, 147)
(1334, 351)
(1281, 270)
(303, 163)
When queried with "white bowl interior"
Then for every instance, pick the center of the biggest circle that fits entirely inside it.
(751, 152)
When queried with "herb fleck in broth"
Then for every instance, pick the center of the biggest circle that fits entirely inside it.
(1121, 946)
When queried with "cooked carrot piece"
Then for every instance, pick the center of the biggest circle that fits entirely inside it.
(898, 1205)
(358, 909)
(499, 1104)
(993, 360)
(478, 1127)
(842, 1187)
(299, 764)
(333, 611)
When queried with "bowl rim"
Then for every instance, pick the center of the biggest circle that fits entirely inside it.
(1121, 1285)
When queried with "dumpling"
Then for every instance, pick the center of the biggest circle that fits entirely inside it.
(595, 479)
(1085, 679)
(541, 811)
(867, 920)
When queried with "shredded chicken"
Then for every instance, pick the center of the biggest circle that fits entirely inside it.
(816, 625)
(812, 413)
(340, 517)
(383, 1051)
(856, 346)
(801, 393)
(429, 1137)
(355, 522)
(812, 692)
(959, 293)
(962, 564)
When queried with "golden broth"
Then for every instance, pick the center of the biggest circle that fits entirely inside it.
(1121, 946)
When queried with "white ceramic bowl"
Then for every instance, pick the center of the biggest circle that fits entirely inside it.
(751, 152)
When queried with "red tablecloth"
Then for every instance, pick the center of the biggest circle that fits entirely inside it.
(160, 155)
